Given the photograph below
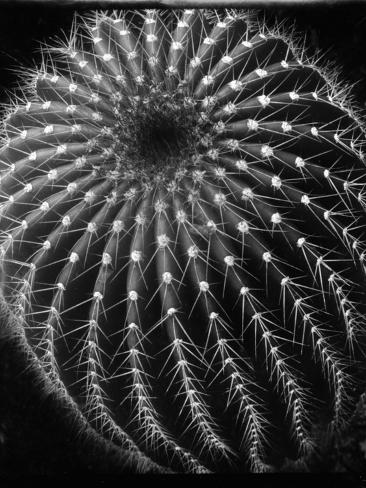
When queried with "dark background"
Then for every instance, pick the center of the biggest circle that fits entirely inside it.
(35, 438)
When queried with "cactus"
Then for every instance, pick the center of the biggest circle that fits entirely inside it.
(182, 201)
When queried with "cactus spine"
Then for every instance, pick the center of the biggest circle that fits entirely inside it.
(182, 201)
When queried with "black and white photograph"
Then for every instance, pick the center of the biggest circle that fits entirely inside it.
(183, 240)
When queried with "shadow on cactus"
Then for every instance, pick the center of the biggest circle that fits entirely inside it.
(182, 211)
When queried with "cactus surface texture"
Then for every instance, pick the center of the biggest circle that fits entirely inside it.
(182, 211)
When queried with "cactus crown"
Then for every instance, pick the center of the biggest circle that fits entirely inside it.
(162, 131)
(181, 235)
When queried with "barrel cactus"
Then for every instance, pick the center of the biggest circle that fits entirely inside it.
(182, 202)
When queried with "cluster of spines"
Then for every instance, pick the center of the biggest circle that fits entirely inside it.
(66, 135)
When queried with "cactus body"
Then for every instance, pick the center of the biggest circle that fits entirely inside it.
(182, 197)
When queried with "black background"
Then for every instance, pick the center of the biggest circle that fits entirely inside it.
(34, 436)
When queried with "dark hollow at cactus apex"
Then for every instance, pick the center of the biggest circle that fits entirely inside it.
(182, 211)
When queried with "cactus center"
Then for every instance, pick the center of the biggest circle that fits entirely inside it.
(155, 135)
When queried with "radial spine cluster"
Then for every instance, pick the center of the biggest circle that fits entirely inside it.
(182, 202)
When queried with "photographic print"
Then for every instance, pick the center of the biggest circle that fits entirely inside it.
(182, 238)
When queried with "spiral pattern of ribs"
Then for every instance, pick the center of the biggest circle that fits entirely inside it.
(182, 202)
